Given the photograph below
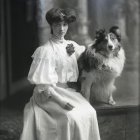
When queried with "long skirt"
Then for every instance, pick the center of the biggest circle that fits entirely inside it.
(46, 120)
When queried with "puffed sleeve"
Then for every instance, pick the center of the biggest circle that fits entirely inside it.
(79, 49)
(42, 70)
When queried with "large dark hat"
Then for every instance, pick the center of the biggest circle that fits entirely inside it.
(55, 15)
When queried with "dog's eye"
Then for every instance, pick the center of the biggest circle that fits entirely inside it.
(112, 37)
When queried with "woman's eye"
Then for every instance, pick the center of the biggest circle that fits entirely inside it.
(65, 24)
(56, 25)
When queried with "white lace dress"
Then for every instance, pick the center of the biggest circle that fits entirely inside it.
(44, 119)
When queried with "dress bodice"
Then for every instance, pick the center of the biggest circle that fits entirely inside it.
(65, 65)
(52, 64)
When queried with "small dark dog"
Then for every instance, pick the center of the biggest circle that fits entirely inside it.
(99, 66)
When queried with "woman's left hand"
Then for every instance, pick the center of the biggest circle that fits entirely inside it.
(60, 100)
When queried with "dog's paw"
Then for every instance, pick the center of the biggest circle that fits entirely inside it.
(112, 102)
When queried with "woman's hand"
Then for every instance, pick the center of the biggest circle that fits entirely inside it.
(57, 98)
(68, 106)
(64, 104)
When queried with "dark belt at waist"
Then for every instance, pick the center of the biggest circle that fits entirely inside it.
(63, 85)
(73, 85)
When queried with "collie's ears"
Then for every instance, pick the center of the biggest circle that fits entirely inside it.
(116, 30)
(100, 34)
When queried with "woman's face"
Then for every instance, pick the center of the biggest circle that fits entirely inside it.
(59, 29)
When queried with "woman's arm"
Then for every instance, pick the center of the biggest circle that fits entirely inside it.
(51, 94)
(42, 73)
(57, 98)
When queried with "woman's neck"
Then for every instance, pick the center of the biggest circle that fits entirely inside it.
(57, 38)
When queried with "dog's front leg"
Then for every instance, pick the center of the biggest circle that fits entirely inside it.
(112, 89)
(85, 90)
(86, 86)
(111, 100)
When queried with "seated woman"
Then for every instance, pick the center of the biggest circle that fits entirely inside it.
(55, 111)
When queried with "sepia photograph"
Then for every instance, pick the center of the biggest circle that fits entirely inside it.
(69, 69)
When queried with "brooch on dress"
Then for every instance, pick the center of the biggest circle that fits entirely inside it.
(70, 49)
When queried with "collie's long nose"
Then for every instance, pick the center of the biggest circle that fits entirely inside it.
(110, 43)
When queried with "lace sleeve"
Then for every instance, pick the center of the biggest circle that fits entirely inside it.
(42, 70)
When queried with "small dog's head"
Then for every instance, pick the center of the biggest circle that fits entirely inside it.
(107, 44)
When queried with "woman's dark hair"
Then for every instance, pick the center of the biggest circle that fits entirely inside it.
(55, 15)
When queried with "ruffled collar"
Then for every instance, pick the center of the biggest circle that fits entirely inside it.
(57, 40)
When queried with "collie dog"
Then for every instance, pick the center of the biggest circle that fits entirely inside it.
(99, 65)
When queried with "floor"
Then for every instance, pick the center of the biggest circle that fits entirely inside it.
(126, 96)
(11, 115)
